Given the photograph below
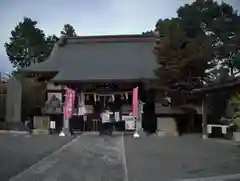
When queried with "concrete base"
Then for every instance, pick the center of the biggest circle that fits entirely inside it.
(40, 132)
(62, 134)
(167, 134)
(136, 135)
(18, 126)
(204, 136)
(161, 134)
(166, 126)
(236, 136)
(13, 132)
(65, 132)
(139, 133)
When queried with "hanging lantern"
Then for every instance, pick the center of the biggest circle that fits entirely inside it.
(82, 98)
(122, 97)
(87, 97)
(95, 97)
(126, 95)
(98, 98)
(79, 100)
(110, 99)
(113, 98)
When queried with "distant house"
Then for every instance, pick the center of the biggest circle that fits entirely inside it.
(104, 69)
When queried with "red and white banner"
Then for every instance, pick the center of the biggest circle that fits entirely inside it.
(69, 103)
(135, 103)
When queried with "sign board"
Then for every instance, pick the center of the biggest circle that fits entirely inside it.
(82, 110)
(117, 116)
(41, 122)
(129, 122)
(57, 94)
(89, 109)
(52, 124)
(130, 125)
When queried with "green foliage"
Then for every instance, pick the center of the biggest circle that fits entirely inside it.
(220, 22)
(26, 45)
(183, 60)
(218, 101)
(68, 30)
(236, 61)
(235, 104)
(148, 33)
(204, 34)
(50, 42)
(235, 101)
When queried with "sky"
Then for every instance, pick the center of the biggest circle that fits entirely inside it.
(88, 17)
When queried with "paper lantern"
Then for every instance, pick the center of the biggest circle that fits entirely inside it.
(87, 97)
(110, 99)
(126, 95)
(95, 97)
(113, 98)
(122, 97)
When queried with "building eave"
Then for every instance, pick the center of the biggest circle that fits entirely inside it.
(218, 87)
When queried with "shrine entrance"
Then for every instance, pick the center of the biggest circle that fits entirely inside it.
(95, 98)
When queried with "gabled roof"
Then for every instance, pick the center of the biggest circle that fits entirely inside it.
(96, 58)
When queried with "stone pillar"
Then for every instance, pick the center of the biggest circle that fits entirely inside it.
(14, 103)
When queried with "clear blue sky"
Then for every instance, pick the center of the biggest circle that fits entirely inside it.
(89, 17)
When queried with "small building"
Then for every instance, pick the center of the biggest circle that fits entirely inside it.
(104, 69)
(229, 86)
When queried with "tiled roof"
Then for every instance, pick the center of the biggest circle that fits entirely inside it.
(96, 58)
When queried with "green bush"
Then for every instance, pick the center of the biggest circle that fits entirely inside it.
(235, 104)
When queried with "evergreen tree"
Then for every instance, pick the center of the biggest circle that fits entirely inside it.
(68, 30)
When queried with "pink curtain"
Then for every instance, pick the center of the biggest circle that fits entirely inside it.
(135, 102)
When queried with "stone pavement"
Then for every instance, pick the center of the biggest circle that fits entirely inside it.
(90, 157)
(86, 158)
(19, 151)
(187, 157)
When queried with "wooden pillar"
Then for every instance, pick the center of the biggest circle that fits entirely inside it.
(204, 117)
